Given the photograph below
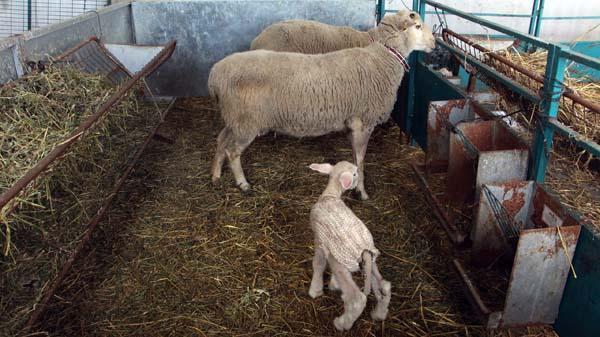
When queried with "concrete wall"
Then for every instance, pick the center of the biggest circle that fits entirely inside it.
(208, 30)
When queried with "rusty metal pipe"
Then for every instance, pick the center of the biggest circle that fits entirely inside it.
(60, 149)
(471, 292)
(43, 305)
(453, 233)
(569, 93)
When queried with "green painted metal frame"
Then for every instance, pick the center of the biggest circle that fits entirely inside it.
(548, 99)
(582, 295)
(380, 10)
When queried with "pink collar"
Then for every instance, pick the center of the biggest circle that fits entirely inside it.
(399, 57)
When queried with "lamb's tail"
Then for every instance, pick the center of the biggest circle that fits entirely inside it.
(367, 258)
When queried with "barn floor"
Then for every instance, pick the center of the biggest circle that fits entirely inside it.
(181, 257)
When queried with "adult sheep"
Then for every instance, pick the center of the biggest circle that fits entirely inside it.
(312, 37)
(309, 95)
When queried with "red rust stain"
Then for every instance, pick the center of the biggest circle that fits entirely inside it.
(514, 204)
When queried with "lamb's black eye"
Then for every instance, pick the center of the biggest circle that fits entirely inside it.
(418, 26)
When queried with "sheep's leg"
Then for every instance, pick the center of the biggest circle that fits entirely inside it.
(217, 166)
(319, 263)
(383, 293)
(354, 300)
(234, 153)
(360, 139)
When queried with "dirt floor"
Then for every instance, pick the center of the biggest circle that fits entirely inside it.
(181, 257)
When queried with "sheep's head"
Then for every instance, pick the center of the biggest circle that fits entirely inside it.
(415, 37)
(400, 21)
(343, 172)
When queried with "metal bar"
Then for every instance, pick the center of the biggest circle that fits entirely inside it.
(589, 61)
(452, 231)
(582, 17)
(380, 10)
(93, 224)
(532, 21)
(61, 148)
(530, 95)
(575, 137)
(593, 106)
(471, 291)
(503, 29)
(538, 23)
(29, 15)
(542, 146)
(477, 13)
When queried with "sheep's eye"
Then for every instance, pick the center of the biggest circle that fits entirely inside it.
(418, 27)
(412, 15)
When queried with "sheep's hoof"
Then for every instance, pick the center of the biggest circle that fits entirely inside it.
(315, 293)
(215, 179)
(341, 323)
(245, 187)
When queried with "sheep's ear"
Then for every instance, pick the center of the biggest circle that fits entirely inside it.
(346, 180)
(321, 168)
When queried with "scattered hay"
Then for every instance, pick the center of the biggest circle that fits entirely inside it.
(573, 115)
(38, 112)
(181, 257)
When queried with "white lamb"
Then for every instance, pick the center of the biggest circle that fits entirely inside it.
(343, 242)
(309, 95)
(312, 37)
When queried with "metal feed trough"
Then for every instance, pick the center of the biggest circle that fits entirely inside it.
(522, 222)
(482, 152)
(442, 117)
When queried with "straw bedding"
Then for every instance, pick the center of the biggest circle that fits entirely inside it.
(181, 257)
(37, 113)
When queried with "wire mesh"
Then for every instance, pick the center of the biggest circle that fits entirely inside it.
(509, 229)
(18, 16)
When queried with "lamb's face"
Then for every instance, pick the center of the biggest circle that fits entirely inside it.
(347, 174)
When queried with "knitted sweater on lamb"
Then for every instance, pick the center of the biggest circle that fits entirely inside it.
(341, 232)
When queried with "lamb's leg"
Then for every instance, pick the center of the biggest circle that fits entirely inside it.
(234, 153)
(354, 300)
(383, 293)
(319, 263)
(360, 139)
(217, 166)
(333, 284)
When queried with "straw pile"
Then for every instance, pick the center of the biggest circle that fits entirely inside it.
(181, 257)
(37, 113)
(573, 115)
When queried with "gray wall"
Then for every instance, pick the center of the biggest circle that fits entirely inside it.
(208, 30)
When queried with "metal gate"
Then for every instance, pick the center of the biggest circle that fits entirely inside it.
(18, 16)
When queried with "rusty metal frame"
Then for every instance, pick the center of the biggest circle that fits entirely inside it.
(58, 151)
(448, 35)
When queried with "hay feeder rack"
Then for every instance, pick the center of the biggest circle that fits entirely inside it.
(89, 56)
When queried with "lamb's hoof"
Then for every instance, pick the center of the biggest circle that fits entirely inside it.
(333, 285)
(215, 179)
(363, 196)
(315, 293)
(379, 314)
(341, 323)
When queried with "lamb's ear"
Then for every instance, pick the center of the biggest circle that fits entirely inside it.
(321, 168)
(346, 180)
